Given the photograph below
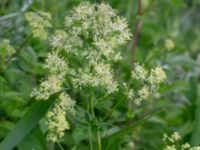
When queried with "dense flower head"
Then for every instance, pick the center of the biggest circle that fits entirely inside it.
(157, 76)
(56, 64)
(149, 81)
(39, 21)
(139, 73)
(99, 27)
(172, 140)
(169, 44)
(56, 120)
(48, 86)
(101, 75)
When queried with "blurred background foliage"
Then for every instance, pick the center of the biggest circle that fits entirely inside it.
(161, 20)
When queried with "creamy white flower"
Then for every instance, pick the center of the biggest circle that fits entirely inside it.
(144, 92)
(39, 21)
(185, 146)
(171, 147)
(157, 76)
(55, 64)
(56, 118)
(50, 85)
(139, 73)
(169, 44)
(130, 94)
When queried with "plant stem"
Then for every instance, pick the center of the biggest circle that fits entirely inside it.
(136, 32)
(90, 138)
(98, 140)
(19, 49)
(60, 146)
(16, 52)
(92, 105)
(115, 106)
(98, 136)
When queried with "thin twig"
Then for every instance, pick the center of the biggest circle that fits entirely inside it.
(138, 26)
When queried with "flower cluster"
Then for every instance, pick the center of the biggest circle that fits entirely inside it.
(149, 82)
(169, 44)
(100, 31)
(57, 68)
(89, 42)
(57, 123)
(39, 21)
(100, 76)
(171, 143)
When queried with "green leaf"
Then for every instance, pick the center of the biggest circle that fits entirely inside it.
(36, 140)
(195, 140)
(80, 134)
(112, 139)
(178, 2)
(27, 123)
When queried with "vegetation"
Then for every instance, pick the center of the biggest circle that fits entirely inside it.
(99, 75)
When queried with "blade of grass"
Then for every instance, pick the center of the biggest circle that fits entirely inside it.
(195, 98)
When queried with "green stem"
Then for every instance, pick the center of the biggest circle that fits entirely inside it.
(92, 105)
(98, 140)
(90, 138)
(114, 107)
(60, 146)
(98, 136)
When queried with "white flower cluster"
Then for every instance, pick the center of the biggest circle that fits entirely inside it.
(169, 44)
(171, 141)
(100, 31)
(89, 42)
(39, 21)
(173, 138)
(57, 68)
(100, 76)
(56, 120)
(149, 82)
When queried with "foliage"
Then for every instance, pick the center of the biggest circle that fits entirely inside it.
(143, 86)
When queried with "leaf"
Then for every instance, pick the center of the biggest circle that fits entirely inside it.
(178, 3)
(35, 140)
(129, 128)
(195, 140)
(80, 134)
(27, 123)
(113, 139)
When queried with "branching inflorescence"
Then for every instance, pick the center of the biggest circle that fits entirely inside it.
(149, 82)
(172, 143)
(83, 52)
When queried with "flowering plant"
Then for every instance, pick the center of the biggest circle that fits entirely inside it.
(74, 83)
(91, 35)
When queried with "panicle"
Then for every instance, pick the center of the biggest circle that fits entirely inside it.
(39, 21)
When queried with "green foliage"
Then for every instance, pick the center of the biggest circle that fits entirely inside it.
(26, 124)
(169, 37)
